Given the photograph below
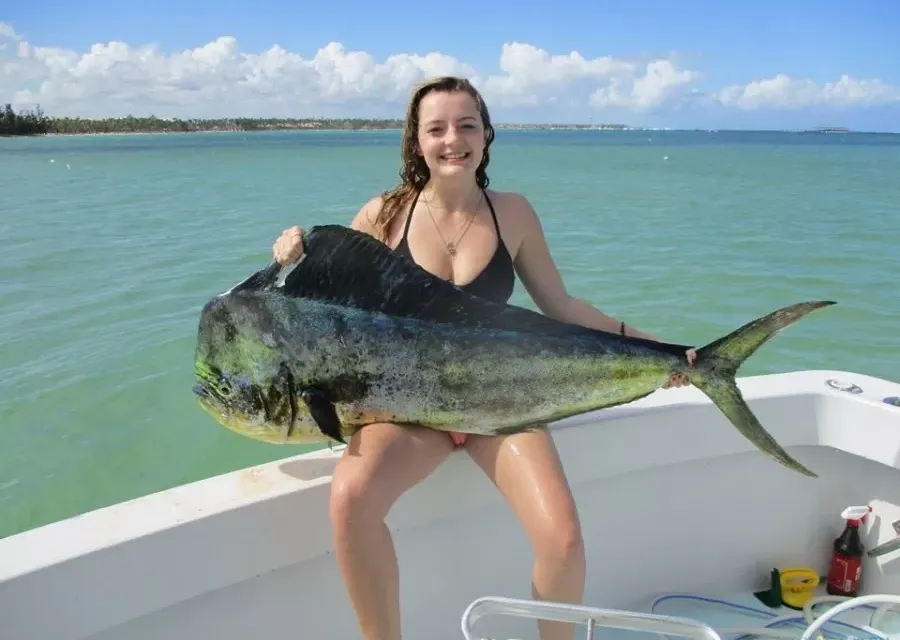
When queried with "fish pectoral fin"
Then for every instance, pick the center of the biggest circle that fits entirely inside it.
(323, 413)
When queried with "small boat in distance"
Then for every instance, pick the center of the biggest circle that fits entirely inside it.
(827, 130)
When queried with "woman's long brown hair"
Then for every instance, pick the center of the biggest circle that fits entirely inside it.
(414, 172)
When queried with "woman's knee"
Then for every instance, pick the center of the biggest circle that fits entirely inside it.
(360, 491)
(354, 498)
(559, 540)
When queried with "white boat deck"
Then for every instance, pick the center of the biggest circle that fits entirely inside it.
(672, 500)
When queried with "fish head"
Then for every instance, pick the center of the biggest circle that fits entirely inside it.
(240, 378)
(245, 406)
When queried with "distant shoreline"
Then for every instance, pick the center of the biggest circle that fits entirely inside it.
(825, 131)
(522, 128)
(148, 126)
(38, 125)
(150, 132)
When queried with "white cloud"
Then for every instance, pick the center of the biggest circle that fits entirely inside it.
(219, 78)
(660, 80)
(784, 92)
(533, 76)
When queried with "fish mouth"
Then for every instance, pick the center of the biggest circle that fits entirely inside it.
(248, 411)
(209, 401)
(207, 395)
(222, 412)
(241, 425)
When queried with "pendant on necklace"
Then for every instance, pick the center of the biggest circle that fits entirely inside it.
(451, 249)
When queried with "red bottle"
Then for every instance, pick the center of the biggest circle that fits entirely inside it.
(847, 554)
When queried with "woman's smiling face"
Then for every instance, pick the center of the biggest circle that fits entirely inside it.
(451, 134)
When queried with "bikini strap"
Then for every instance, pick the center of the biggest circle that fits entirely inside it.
(409, 215)
(493, 215)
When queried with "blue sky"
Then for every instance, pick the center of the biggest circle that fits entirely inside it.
(722, 44)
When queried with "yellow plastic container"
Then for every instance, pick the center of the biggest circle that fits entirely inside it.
(797, 585)
(792, 587)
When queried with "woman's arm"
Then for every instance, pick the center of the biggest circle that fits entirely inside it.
(544, 283)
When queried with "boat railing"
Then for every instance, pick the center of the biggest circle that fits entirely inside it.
(590, 617)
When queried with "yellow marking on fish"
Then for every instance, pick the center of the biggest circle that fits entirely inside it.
(456, 374)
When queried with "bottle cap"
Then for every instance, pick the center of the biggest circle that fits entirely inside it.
(855, 515)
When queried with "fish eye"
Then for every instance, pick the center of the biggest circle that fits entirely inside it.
(224, 385)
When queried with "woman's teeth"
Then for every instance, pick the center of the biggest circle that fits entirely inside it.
(455, 156)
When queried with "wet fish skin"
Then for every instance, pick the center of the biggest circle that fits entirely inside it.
(358, 334)
(382, 368)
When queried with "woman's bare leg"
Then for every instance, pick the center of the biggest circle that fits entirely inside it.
(380, 463)
(526, 469)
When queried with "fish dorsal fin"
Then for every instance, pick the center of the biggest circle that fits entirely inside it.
(352, 268)
(262, 279)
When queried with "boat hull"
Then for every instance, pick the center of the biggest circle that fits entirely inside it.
(249, 554)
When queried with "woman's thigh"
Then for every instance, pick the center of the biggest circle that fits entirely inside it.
(526, 468)
(381, 462)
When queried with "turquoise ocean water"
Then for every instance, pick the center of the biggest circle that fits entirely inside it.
(112, 244)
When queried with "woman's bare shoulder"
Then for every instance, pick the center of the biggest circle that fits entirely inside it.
(514, 210)
(365, 218)
(512, 200)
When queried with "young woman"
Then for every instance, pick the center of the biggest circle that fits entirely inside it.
(444, 217)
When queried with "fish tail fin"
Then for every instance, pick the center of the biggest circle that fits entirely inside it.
(717, 364)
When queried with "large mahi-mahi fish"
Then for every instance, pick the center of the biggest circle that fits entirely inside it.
(358, 334)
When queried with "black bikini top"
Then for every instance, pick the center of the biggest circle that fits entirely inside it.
(498, 279)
